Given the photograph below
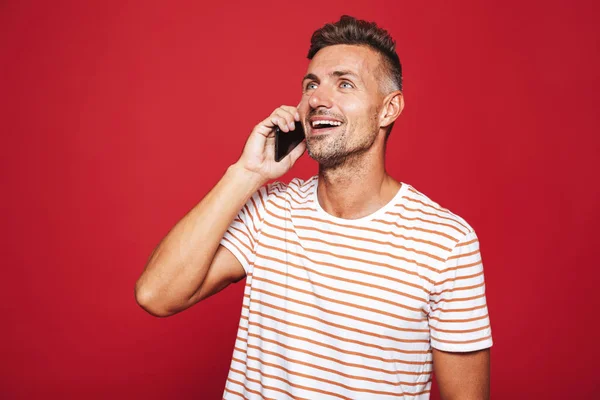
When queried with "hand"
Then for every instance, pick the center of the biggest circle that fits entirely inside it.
(258, 156)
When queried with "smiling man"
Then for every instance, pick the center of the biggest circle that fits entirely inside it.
(358, 286)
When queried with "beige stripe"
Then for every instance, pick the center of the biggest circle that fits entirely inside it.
(333, 289)
(329, 346)
(262, 201)
(458, 278)
(458, 321)
(238, 249)
(303, 197)
(428, 221)
(340, 278)
(329, 323)
(319, 367)
(282, 380)
(366, 239)
(273, 191)
(388, 213)
(461, 330)
(458, 288)
(467, 243)
(250, 239)
(256, 212)
(274, 388)
(234, 392)
(362, 249)
(443, 210)
(339, 314)
(461, 341)
(316, 378)
(259, 215)
(362, 228)
(246, 388)
(339, 338)
(460, 309)
(251, 215)
(457, 299)
(308, 185)
(287, 199)
(332, 359)
(358, 271)
(364, 260)
(416, 228)
(464, 255)
(454, 220)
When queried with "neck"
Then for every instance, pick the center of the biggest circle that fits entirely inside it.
(357, 187)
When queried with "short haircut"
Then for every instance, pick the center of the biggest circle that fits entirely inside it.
(351, 31)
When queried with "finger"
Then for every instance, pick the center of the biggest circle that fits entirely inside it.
(293, 111)
(280, 121)
(267, 126)
(289, 117)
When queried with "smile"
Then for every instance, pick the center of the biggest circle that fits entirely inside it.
(319, 124)
(323, 129)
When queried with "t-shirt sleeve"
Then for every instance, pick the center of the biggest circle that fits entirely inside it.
(242, 235)
(458, 317)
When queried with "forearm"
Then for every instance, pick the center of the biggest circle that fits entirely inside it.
(177, 267)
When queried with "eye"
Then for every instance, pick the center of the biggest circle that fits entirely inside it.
(346, 85)
(311, 86)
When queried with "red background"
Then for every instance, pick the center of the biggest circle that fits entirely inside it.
(117, 118)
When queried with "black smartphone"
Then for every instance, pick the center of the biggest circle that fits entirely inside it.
(285, 142)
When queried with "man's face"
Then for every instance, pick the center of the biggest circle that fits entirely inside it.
(341, 102)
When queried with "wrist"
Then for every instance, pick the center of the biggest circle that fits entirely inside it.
(246, 177)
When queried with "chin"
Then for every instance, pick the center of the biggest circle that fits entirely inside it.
(326, 157)
(316, 147)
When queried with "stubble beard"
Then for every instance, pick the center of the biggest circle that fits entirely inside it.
(328, 151)
(334, 151)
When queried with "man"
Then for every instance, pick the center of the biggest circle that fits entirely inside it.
(358, 286)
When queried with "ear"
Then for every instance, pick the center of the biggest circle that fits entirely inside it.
(392, 108)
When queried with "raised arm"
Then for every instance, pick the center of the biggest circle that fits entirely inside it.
(189, 264)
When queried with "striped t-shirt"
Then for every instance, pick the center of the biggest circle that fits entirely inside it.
(350, 309)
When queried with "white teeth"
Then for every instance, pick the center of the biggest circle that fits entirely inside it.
(325, 122)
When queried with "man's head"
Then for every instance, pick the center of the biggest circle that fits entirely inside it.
(351, 31)
(354, 80)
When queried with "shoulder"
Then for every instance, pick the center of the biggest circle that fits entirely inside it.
(424, 211)
(297, 188)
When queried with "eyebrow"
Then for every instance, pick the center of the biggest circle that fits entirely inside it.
(337, 74)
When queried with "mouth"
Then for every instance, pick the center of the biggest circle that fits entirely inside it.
(321, 125)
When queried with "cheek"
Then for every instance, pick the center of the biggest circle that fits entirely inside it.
(360, 113)
(352, 107)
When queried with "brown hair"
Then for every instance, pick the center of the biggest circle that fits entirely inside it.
(349, 30)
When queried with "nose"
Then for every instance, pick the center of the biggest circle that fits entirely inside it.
(320, 97)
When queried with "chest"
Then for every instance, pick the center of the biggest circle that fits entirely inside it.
(359, 277)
